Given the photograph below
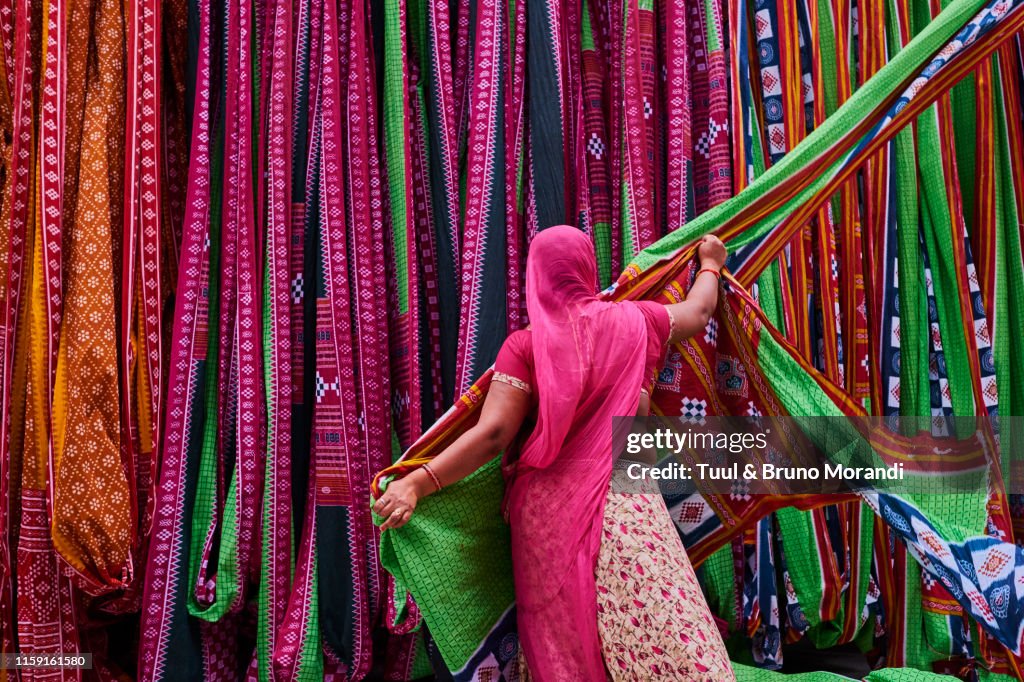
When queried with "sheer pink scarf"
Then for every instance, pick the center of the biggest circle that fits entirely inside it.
(589, 358)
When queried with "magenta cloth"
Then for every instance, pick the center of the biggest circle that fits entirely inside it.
(516, 357)
(589, 360)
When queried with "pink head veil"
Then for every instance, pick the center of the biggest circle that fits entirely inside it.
(561, 288)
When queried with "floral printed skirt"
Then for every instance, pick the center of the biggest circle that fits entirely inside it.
(652, 617)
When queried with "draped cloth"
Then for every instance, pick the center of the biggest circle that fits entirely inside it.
(981, 571)
(589, 357)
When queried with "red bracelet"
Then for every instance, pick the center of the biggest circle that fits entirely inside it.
(714, 272)
(433, 476)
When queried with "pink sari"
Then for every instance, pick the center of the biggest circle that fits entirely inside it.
(589, 358)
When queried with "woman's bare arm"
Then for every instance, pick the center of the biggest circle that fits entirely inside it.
(503, 412)
(692, 315)
(501, 415)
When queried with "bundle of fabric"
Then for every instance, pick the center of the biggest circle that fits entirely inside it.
(964, 547)
(277, 418)
(93, 166)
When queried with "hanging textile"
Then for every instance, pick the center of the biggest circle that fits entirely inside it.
(771, 208)
(251, 250)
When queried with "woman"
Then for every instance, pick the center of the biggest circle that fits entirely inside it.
(597, 592)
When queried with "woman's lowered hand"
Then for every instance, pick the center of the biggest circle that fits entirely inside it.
(399, 500)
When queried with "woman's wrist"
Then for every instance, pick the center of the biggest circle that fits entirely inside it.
(717, 272)
(420, 483)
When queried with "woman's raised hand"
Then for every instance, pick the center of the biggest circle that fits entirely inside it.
(689, 317)
(712, 252)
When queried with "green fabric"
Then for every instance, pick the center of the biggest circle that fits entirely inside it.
(1009, 303)
(953, 515)
(914, 334)
(421, 661)
(829, 76)
(458, 538)
(224, 553)
(802, 560)
(965, 117)
(940, 231)
(986, 676)
(748, 674)
(718, 578)
(907, 675)
(914, 338)
(921, 628)
(395, 145)
(866, 539)
(745, 673)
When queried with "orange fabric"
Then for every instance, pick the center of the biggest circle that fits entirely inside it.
(92, 516)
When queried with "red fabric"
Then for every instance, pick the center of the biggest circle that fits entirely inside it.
(589, 359)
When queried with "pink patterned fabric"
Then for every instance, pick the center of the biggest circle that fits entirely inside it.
(588, 365)
(652, 617)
